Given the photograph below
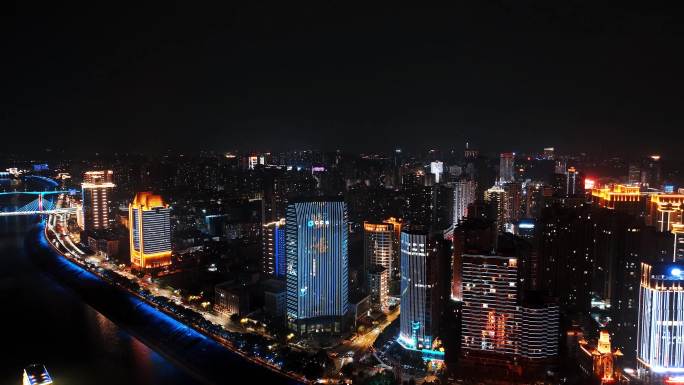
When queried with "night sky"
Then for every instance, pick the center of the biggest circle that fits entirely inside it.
(505, 75)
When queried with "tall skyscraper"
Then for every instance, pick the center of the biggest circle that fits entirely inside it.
(420, 297)
(464, 195)
(660, 338)
(317, 265)
(150, 231)
(490, 295)
(498, 199)
(573, 182)
(514, 200)
(379, 251)
(96, 190)
(273, 249)
(507, 167)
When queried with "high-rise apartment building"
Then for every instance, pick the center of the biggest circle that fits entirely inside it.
(273, 249)
(317, 265)
(539, 328)
(498, 200)
(380, 249)
(497, 325)
(150, 231)
(378, 286)
(514, 201)
(96, 190)
(464, 195)
(490, 300)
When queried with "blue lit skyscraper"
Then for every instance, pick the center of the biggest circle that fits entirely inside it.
(317, 265)
(419, 283)
(660, 338)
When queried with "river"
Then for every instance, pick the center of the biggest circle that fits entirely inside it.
(44, 322)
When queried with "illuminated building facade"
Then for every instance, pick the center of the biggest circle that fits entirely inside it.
(255, 160)
(379, 244)
(472, 234)
(539, 329)
(660, 338)
(499, 326)
(490, 301)
(96, 191)
(396, 247)
(437, 169)
(600, 359)
(665, 210)
(273, 249)
(420, 300)
(457, 265)
(678, 251)
(317, 264)
(573, 182)
(378, 284)
(506, 167)
(150, 231)
(619, 197)
(465, 192)
(514, 196)
(498, 199)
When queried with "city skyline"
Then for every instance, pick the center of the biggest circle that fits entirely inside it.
(469, 193)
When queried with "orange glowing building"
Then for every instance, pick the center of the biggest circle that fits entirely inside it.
(150, 231)
(665, 210)
(678, 252)
(619, 197)
(602, 358)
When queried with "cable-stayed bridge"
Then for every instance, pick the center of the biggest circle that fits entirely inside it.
(44, 202)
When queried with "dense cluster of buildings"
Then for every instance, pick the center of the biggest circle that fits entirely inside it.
(490, 260)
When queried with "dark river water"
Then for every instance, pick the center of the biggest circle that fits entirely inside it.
(44, 322)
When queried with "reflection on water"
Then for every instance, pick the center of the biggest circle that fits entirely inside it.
(46, 323)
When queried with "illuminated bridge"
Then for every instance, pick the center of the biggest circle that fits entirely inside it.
(38, 206)
(43, 202)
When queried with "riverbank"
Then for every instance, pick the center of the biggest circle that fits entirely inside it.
(198, 353)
